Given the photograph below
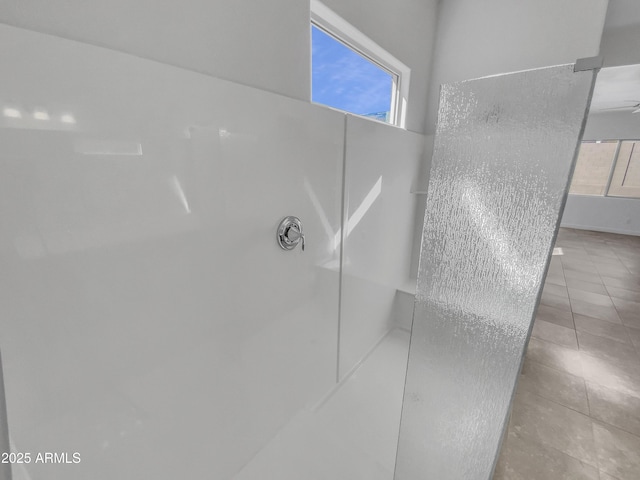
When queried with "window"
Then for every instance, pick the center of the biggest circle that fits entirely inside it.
(344, 79)
(609, 168)
(352, 73)
(593, 167)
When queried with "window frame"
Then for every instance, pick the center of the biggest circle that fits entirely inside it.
(614, 167)
(335, 26)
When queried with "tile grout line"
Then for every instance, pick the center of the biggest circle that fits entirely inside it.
(573, 321)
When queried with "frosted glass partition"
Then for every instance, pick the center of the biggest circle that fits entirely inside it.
(504, 151)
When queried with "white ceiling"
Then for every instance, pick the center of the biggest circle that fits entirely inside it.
(617, 88)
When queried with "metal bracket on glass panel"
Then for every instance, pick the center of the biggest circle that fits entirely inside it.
(588, 63)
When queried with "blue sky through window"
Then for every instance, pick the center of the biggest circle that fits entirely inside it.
(344, 79)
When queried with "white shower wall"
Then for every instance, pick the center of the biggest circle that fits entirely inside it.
(382, 166)
(150, 322)
(251, 42)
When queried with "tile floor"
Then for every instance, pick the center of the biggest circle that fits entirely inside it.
(576, 413)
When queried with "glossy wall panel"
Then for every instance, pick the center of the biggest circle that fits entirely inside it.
(150, 321)
(381, 166)
(504, 151)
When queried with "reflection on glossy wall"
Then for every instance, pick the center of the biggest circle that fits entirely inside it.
(503, 154)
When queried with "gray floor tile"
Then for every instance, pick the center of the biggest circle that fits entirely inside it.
(586, 286)
(556, 269)
(572, 246)
(555, 260)
(621, 377)
(624, 294)
(571, 254)
(555, 356)
(618, 452)
(602, 328)
(600, 251)
(614, 407)
(626, 283)
(609, 261)
(555, 315)
(523, 459)
(628, 256)
(554, 333)
(633, 269)
(570, 234)
(615, 352)
(609, 313)
(557, 426)
(579, 266)
(634, 335)
(583, 276)
(554, 385)
(606, 476)
(626, 251)
(558, 290)
(555, 279)
(612, 270)
(590, 297)
(555, 301)
(628, 311)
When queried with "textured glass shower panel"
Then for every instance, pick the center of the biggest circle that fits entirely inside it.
(504, 151)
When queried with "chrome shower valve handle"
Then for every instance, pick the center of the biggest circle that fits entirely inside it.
(290, 233)
(293, 236)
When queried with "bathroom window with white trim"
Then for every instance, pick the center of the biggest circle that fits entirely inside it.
(350, 72)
